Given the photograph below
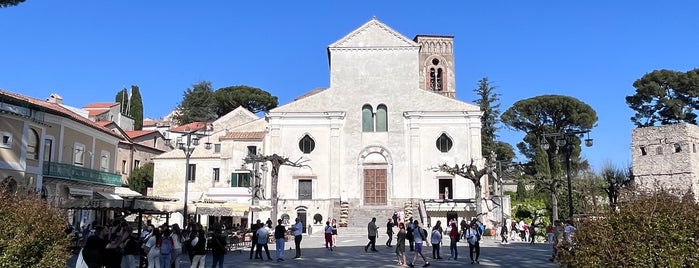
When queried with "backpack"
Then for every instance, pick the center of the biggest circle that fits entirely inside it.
(423, 233)
(166, 246)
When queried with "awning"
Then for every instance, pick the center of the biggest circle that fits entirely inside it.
(450, 206)
(261, 207)
(191, 197)
(125, 192)
(93, 204)
(222, 209)
(150, 206)
(109, 196)
(79, 191)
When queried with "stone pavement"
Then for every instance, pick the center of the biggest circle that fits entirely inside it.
(350, 253)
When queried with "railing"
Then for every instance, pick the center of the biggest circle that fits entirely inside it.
(71, 172)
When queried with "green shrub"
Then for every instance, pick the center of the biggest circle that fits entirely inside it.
(32, 233)
(654, 230)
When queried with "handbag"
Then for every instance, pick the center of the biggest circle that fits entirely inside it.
(80, 263)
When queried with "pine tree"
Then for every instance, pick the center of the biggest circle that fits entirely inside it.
(488, 102)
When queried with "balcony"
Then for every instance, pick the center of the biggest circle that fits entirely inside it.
(71, 172)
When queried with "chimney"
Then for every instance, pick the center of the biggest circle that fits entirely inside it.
(55, 98)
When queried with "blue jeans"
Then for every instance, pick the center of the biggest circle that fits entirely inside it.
(165, 260)
(452, 248)
(219, 260)
(280, 248)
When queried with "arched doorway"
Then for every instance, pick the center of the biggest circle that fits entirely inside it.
(375, 163)
(301, 214)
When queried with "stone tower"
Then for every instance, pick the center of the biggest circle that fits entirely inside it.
(437, 64)
(666, 157)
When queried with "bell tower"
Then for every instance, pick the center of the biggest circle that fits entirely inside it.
(437, 64)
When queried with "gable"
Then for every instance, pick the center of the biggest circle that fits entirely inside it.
(374, 34)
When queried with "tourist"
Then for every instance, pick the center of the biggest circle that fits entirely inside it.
(297, 232)
(400, 244)
(280, 237)
(371, 233)
(419, 236)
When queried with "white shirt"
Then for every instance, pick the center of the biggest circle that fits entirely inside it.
(472, 236)
(436, 236)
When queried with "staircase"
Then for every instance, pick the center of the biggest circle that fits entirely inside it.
(360, 216)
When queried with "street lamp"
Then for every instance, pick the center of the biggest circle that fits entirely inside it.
(564, 140)
(187, 146)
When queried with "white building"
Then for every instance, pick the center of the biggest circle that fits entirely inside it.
(369, 140)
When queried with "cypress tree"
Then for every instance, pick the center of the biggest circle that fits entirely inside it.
(136, 108)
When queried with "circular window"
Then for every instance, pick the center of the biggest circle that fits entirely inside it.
(307, 144)
(435, 62)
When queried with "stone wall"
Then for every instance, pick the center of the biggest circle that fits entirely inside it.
(665, 157)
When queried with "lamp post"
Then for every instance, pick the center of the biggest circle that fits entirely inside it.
(187, 142)
(564, 139)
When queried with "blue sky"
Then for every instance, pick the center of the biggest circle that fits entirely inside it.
(591, 50)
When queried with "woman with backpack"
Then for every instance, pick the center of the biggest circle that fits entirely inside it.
(473, 236)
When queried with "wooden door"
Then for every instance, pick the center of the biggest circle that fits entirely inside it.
(375, 187)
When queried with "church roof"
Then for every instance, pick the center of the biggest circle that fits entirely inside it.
(374, 33)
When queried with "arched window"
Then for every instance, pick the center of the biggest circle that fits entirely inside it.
(439, 80)
(433, 79)
(307, 144)
(33, 145)
(659, 150)
(381, 118)
(367, 118)
(444, 143)
(678, 148)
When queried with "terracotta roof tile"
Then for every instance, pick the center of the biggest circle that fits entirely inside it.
(103, 123)
(102, 105)
(138, 133)
(57, 110)
(92, 113)
(256, 135)
(194, 126)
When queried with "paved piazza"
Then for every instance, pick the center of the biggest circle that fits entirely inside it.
(350, 253)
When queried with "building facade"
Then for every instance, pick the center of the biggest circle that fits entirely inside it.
(49, 150)
(366, 145)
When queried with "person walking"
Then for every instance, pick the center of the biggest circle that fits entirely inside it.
(389, 232)
(504, 233)
(532, 234)
(409, 234)
(372, 230)
(473, 236)
(400, 245)
(218, 248)
(262, 238)
(152, 249)
(419, 237)
(328, 236)
(253, 240)
(436, 240)
(297, 232)
(454, 238)
(280, 237)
